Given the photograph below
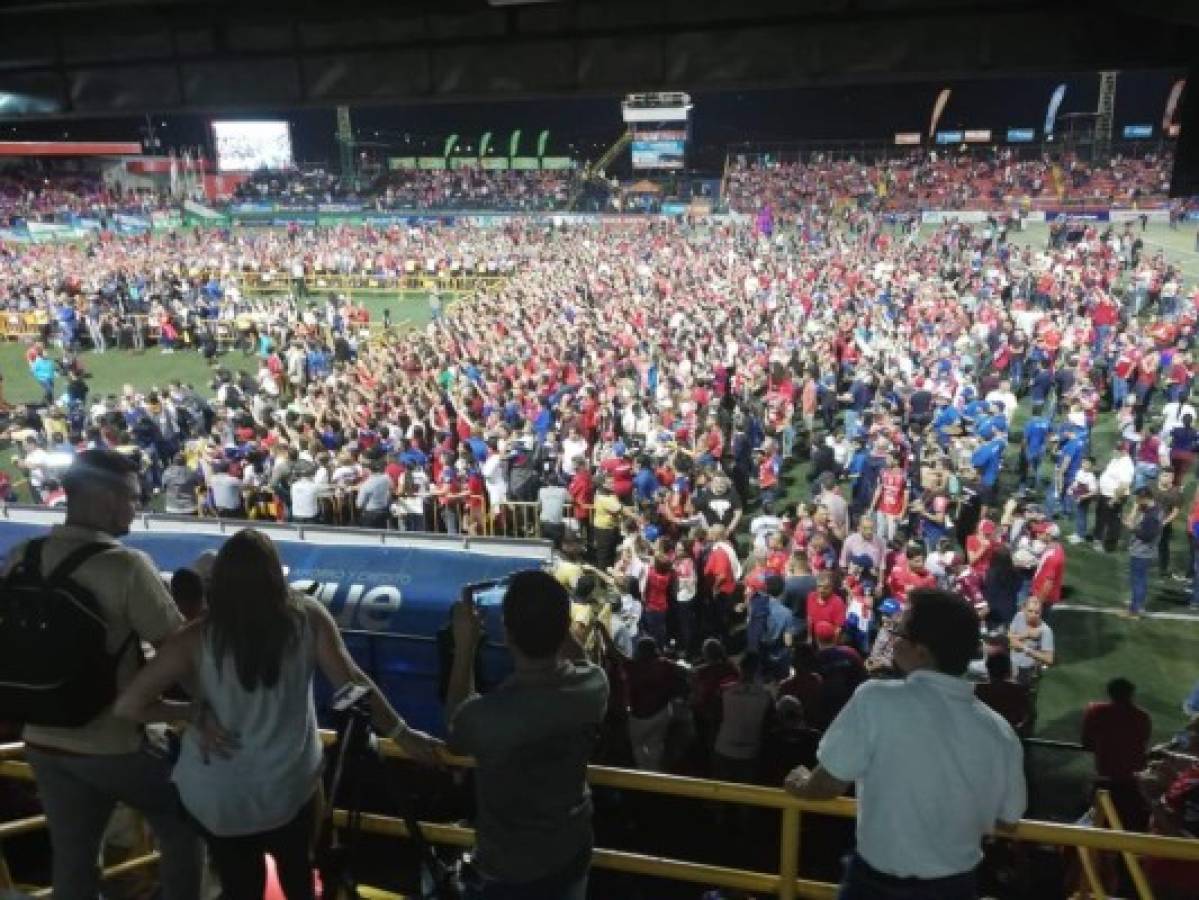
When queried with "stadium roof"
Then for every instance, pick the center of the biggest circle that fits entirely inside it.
(116, 57)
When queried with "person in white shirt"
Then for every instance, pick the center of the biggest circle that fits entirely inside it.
(1115, 484)
(495, 473)
(574, 446)
(1172, 415)
(1082, 494)
(1003, 395)
(762, 526)
(305, 496)
(936, 770)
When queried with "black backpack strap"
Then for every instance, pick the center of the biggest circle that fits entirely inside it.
(75, 559)
(31, 562)
(65, 569)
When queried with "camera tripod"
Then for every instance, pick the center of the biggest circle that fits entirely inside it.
(335, 854)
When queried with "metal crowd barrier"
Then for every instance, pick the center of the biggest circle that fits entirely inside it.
(264, 282)
(786, 883)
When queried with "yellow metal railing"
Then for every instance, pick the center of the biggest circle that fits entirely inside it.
(786, 883)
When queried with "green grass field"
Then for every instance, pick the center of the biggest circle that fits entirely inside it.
(1093, 643)
(112, 370)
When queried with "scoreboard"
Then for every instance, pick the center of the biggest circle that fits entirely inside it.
(659, 124)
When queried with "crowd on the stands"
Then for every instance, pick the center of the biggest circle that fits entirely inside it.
(947, 180)
(30, 195)
(423, 189)
(651, 392)
(484, 189)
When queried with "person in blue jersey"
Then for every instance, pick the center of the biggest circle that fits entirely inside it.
(974, 408)
(946, 420)
(1032, 450)
(1070, 456)
(645, 482)
(988, 461)
(1040, 386)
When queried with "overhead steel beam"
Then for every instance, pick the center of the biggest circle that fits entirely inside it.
(190, 57)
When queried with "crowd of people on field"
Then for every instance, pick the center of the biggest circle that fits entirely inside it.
(653, 391)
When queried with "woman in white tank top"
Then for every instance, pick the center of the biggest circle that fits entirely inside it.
(249, 772)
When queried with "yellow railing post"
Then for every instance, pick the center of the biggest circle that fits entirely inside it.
(789, 852)
(6, 883)
(1091, 873)
(1105, 805)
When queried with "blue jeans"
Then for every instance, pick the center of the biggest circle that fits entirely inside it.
(1055, 501)
(1080, 518)
(787, 441)
(1033, 478)
(1138, 578)
(861, 882)
(1119, 391)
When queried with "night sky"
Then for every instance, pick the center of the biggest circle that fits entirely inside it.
(582, 127)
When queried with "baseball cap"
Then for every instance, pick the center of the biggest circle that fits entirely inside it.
(889, 607)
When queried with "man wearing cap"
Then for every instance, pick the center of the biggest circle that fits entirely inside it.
(935, 769)
(83, 772)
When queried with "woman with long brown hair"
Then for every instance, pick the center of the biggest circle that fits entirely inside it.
(249, 772)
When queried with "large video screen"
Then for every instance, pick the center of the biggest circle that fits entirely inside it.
(659, 149)
(250, 146)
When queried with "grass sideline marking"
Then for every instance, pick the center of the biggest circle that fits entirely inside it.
(1192, 617)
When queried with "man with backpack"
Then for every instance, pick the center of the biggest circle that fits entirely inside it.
(74, 609)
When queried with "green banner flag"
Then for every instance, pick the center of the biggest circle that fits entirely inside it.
(450, 142)
(484, 143)
(514, 143)
(542, 140)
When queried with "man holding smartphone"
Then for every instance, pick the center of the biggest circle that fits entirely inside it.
(532, 738)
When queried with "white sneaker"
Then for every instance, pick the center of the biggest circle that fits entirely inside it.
(1074, 539)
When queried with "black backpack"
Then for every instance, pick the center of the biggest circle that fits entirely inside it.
(55, 668)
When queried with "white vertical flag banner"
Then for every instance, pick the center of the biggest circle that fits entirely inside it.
(1172, 104)
(1055, 102)
(938, 108)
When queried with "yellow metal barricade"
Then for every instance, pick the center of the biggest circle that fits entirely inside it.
(514, 518)
(787, 883)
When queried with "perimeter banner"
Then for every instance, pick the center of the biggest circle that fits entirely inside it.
(391, 601)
